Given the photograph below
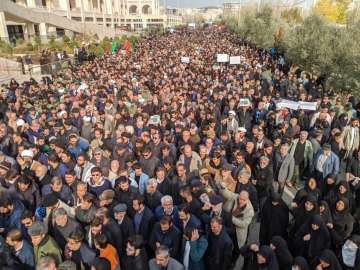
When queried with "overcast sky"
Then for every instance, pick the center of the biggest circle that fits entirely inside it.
(192, 3)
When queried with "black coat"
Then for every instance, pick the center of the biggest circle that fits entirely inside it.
(329, 257)
(153, 200)
(319, 239)
(146, 224)
(282, 252)
(219, 252)
(127, 229)
(274, 221)
(137, 262)
(250, 261)
(114, 234)
(170, 239)
(343, 223)
(127, 198)
(265, 178)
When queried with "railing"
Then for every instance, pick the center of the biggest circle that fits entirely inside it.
(51, 68)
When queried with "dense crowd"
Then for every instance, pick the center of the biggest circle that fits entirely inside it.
(138, 161)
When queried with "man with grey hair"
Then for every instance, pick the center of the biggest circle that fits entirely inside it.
(284, 168)
(44, 245)
(63, 226)
(152, 195)
(167, 208)
(46, 263)
(302, 151)
(67, 265)
(163, 260)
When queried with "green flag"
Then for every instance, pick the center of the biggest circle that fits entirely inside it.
(114, 46)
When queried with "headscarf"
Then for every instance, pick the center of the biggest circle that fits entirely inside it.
(269, 255)
(329, 257)
(301, 263)
(282, 252)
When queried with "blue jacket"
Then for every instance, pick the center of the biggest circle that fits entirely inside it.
(81, 146)
(26, 255)
(197, 252)
(331, 165)
(144, 178)
(13, 220)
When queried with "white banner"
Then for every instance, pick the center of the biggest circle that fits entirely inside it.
(185, 60)
(284, 103)
(235, 60)
(310, 106)
(222, 58)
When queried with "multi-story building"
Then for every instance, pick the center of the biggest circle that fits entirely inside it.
(25, 18)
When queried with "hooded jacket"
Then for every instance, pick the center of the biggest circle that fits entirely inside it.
(329, 257)
(282, 252)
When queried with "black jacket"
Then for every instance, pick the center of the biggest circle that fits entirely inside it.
(264, 177)
(153, 200)
(114, 234)
(127, 229)
(137, 262)
(219, 252)
(171, 239)
(146, 224)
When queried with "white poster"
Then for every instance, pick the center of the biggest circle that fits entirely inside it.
(222, 58)
(310, 106)
(235, 60)
(185, 60)
(293, 105)
(244, 102)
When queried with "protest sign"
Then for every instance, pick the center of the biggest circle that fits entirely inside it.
(310, 106)
(244, 102)
(235, 60)
(185, 60)
(154, 119)
(285, 103)
(222, 58)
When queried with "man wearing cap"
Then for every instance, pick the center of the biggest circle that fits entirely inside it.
(124, 222)
(232, 124)
(44, 245)
(326, 162)
(63, 226)
(302, 151)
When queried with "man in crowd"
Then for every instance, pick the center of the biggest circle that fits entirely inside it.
(154, 163)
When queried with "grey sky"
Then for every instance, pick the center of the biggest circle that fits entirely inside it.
(192, 3)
